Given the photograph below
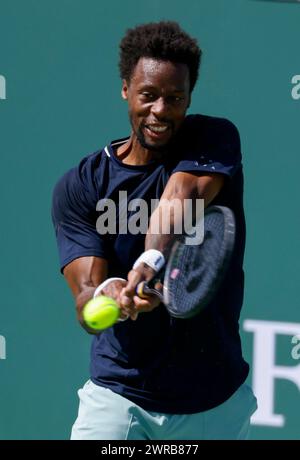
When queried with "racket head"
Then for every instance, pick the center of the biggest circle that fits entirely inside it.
(194, 272)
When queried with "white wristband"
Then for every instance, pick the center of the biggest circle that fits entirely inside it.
(105, 283)
(154, 258)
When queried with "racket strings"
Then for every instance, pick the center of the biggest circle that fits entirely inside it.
(195, 271)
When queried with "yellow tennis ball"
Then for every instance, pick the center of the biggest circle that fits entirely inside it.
(101, 312)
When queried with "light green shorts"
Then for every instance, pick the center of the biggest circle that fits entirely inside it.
(105, 415)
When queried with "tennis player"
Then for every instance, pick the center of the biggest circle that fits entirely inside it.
(154, 376)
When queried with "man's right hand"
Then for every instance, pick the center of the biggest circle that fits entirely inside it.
(130, 301)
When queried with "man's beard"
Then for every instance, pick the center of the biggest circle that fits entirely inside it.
(142, 141)
(141, 138)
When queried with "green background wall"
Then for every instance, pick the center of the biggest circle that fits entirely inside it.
(59, 60)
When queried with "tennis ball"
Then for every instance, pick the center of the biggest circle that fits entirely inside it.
(101, 312)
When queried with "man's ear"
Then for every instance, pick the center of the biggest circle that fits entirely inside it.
(124, 91)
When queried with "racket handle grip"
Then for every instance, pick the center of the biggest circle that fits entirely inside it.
(143, 290)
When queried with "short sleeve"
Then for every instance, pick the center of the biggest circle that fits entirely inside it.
(74, 216)
(212, 146)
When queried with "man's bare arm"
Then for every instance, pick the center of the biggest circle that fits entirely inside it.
(83, 275)
(181, 185)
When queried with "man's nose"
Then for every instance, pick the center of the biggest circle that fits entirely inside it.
(159, 107)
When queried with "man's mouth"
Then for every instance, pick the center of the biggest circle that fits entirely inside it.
(160, 132)
(158, 129)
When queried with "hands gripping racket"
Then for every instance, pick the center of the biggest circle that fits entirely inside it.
(193, 274)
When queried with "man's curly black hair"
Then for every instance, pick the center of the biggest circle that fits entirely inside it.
(163, 40)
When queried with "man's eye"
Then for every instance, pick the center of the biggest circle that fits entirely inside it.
(177, 99)
(148, 95)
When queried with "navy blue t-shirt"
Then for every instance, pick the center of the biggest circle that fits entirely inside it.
(161, 363)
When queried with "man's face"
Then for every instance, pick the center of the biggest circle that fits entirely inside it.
(158, 96)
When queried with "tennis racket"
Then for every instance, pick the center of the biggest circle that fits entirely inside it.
(192, 274)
